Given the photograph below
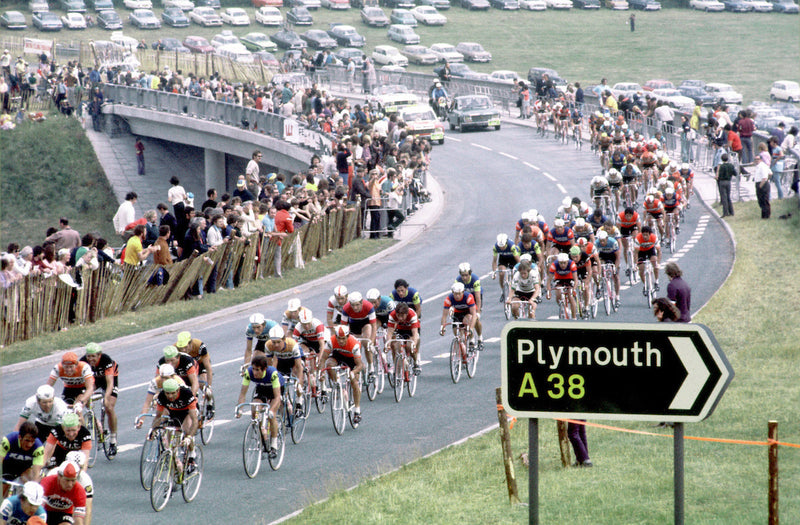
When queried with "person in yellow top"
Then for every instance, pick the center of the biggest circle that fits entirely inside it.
(134, 253)
(611, 102)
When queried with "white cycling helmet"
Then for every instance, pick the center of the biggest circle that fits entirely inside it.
(341, 331)
(373, 294)
(340, 291)
(464, 268)
(563, 257)
(597, 180)
(525, 257)
(650, 198)
(670, 190)
(276, 332)
(34, 493)
(166, 370)
(76, 457)
(526, 216)
(457, 288)
(355, 297)
(257, 319)
(567, 202)
(580, 222)
(685, 166)
(540, 218)
(45, 392)
(558, 223)
(584, 207)
(602, 235)
(294, 304)
(502, 239)
(305, 316)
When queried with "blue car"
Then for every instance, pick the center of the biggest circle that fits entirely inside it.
(174, 17)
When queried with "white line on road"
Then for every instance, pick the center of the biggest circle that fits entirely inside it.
(512, 157)
(480, 146)
(453, 138)
(442, 356)
(560, 187)
(532, 166)
(125, 448)
(491, 340)
(549, 176)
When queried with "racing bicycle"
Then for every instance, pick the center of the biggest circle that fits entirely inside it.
(254, 446)
(607, 290)
(649, 288)
(404, 375)
(463, 354)
(341, 398)
(176, 465)
(95, 424)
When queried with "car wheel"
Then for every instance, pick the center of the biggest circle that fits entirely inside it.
(497, 127)
(441, 141)
(791, 100)
(452, 126)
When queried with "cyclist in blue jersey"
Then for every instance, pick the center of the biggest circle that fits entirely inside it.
(23, 507)
(608, 250)
(383, 305)
(258, 328)
(402, 293)
(505, 255)
(22, 455)
(472, 284)
(460, 305)
(268, 387)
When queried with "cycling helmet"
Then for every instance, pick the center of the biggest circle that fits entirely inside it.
(355, 297)
(70, 358)
(602, 235)
(170, 352)
(502, 239)
(294, 304)
(596, 180)
(584, 208)
(457, 288)
(525, 257)
(575, 250)
(582, 242)
(526, 216)
(613, 171)
(170, 385)
(624, 127)
(166, 370)
(93, 348)
(540, 218)
(670, 190)
(276, 332)
(34, 492)
(464, 268)
(305, 315)
(45, 392)
(183, 339)
(566, 202)
(673, 165)
(76, 457)
(685, 166)
(68, 470)
(604, 135)
(342, 330)
(580, 222)
(650, 198)
(257, 319)
(563, 257)
(70, 420)
(558, 223)
(340, 291)
(374, 294)
(534, 213)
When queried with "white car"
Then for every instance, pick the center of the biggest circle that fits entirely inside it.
(73, 21)
(235, 16)
(626, 88)
(235, 52)
(391, 97)
(559, 4)
(674, 98)
(389, 55)
(724, 92)
(505, 76)
(707, 5)
(533, 5)
(127, 42)
(183, 5)
(429, 16)
(759, 6)
(447, 52)
(205, 16)
(138, 4)
(617, 5)
(225, 38)
(269, 16)
(785, 90)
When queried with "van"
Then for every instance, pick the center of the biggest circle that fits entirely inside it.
(236, 53)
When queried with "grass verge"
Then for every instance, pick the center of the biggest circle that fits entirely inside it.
(754, 317)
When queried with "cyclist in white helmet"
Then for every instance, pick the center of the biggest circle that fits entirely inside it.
(505, 255)
(335, 304)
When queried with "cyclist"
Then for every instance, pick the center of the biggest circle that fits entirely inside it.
(596, 219)
(560, 238)
(344, 349)
(599, 188)
(402, 293)
(268, 387)
(505, 255)
(576, 117)
(608, 250)
(77, 378)
(106, 378)
(285, 354)
(628, 221)
(184, 366)
(197, 350)
(359, 315)
(165, 371)
(646, 247)
(654, 208)
(64, 498)
(526, 245)
(437, 94)
(524, 287)
(618, 160)
(181, 405)
(404, 324)
(383, 305)
(472, 284)
(522, 223)
(23, 507)
(584, 258)
(604, 143)
(69, 436)
(44, 409)
(688, 176)
(460, 305)
(563, 273)
(309, 333)
(258, 328)
(22, 455)
(290, 315)
(335, 304)
(583, 230)
(631, 175)
(672, 204)
(84, 480)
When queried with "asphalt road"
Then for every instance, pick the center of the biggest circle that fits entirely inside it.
(488, 179)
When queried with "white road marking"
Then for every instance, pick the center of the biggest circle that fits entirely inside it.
(453, 138)
(549, 176)
(532, 166)
(553, 317)
(512, 157)
(424, 362)
(125, 448)
(481, 146)
(442, 356)
(491, 340)
(560, 187)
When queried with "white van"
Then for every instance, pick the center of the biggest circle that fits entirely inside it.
(235, 52)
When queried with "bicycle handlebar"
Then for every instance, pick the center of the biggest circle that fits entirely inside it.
(237, 410)
(407, 342)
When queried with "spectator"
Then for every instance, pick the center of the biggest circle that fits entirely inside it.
(151, 227)
(66, 237)
(7, 274)
(665, 311)
(241, 190)
(724, 173)
(777, 165)
(211, 201)
(790, 141)
(139, 147)
(283, 227)
(134, 251)
(177, 196)
(679, 292)
(778, 132)
(374, 204)
(733, 140)
(746, 128)
(761, 178)
(580, 445)
(252, 171)
(126, 214)
(167, 219)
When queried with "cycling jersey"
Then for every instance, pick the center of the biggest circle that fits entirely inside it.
(335, 309)
(34, 413)
(506, 255)
(265, 387)
(263, 337)
(15, 459)
(605, 143)
(648, 159)
(612, 231)
(598, 190)
(286, 348)
(289, 322)
(560, 273)
(406, 326)
(77, 379)
(106, 373)
(525, 285)
(533, 249)
(583, 264)
(155, 384)
(626, 221)
(654, 208)
(617, 161)
(178, 408)
(64, 445)
(466, 302)
(60, 502)
(358, 320)
(412, 297)
(670, 203)
(688, 175)
(630, 173)
(11, 512)
(186, 366)
(350, 349)
(473, 284)
(646, 244)
(585, 232)
(608, 250)
(314, 332)
(563, 238)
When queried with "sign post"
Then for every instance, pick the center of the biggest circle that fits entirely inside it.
(618, 371)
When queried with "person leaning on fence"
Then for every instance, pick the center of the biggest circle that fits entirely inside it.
(134, 251)
(284, 225)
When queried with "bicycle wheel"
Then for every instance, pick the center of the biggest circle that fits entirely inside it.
(604, 289)
(299, 424)
(506, 288)
(371, 378)
(563, 309)
(162, 482)
(472, 361)
(672, 242)
(389, 370)
(148, 460)
(351, 414)
(411, 385)
(207, 427)
(399, 376)
(192, 475)
(276, 462)
(380, 367)
(594, 304)
(648, 287)
(337, 408)
(252, 448)
(321, 401)
(507, 310)
(91, 424)
(455, 361)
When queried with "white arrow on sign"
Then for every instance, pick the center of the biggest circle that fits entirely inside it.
(697, 373)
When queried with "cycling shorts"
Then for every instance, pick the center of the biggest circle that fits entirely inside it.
(357, 326)
(70, 393)
(608, 257)
(670, 209)
(563, 282)
(341, 359)
(177, 415)
(646, 254)
(102, 384)
(562, 248)
(285, 365)
(627, 232)
(383, 319)
(655, 215)
(506, 260)
(525, 296)
(59, 517)
(582, 273)
(263, 393)
(627, 180)
(459, 315)
(615, 185)
(311, 346)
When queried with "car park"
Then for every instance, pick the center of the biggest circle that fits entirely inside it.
(698, 94)
(559, 4)
(13, 20)
(388, 55)
(736, 6)
(269, 16)
(390, 97)
(473, 52)
(724, 92)
(505, 76)
(759, 6)
(205, 16)
(174, 17)
(258, 42)
(446, 52)
(170, 44)
(125, 42)
(46, 21)
(429, 16)
(73, 21)
(144, 19)
(318, 39)
(505, 5)
(38, 5)
(476, 5)
(374, 17)
(99, 5)
(422, 122)
(403, 4)
(72, 6)
(650, 85)
(441, 5)
(403, 17)
(627, 89)
(617, 5)
(785, 6)
(335, 4)
(267, 59)
(198, 44)
(235, 16)
(109, 20)
(299, 16)
(403, 34)
(347, 54)
(224, 38)
(419, 55)
(473, 112)
(645, 5)
(707, 5)
(674, 98)
(787, 109)
(137, 4)
(346, 36)
(236, 53)
(785, 90)
(288, 39)
(533, 5)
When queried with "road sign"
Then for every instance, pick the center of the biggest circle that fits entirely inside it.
(623, 371)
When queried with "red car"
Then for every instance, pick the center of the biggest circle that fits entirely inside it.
(262, 3)
(650, 85)
(266, 58)
(198, 44)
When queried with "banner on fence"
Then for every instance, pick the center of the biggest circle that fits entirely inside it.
(296, 134)
(36, 46)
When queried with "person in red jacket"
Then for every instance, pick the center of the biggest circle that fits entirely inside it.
(284, 225)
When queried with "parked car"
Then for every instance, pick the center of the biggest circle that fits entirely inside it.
(388, 55)
(737, 6)
(73, 21)
(724, 92)
(536, 73)
(205, 16)
(109, 20)
(403, 17)
(235, 16)
(587, 4)
(335, 4)
(707, 5)
(505, 76)
(346, 36)
(100, 5)
(447, 52)
(473, 52)
(768, 118)
(473, 112)
(617, 5)
(759, 6)
(461, 70)
(346, 54)
(311, 5)
(627, 89)
(650, 85)
(137, 4)
(299, 16)
(225, 38)
(698, 94)
(374, 17)
(13, 20)
(72, 6)
(441, 5)
(318, 39)
(288, 39)
(269, 16)
(505, 5)
(476, 5)
(183, 5)
(533, 5)
(788, 109)
(46, 21)
(144, 19)
(429, 16)
(38, 5)
(214, 4)
(693, 83)
(419, 55)
(198, 44)
(404, 4)
(235, 52)
(785, 6)
(267, 59)
(258, 42)
(422, 122)
(271, 3)
(645, 5)
(785, 90)
(170, 44)
(403, 34)
(174, 17)
(125, 42)
(674, 98)
(559, 4)
(390, 97)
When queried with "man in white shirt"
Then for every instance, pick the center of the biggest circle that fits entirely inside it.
(125, 215)
(761, 179)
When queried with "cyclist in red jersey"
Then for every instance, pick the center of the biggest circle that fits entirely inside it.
(647, 248)
(403, 323)
(460, 305)
(64, 497)
(359, 315)
(78, 380)
(344, 349)
(563, 273)
(560, 238)
(309, 333)
(654, 208)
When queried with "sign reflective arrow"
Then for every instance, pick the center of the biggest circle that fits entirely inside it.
(697, 373)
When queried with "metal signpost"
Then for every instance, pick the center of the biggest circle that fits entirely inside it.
(622, 371)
